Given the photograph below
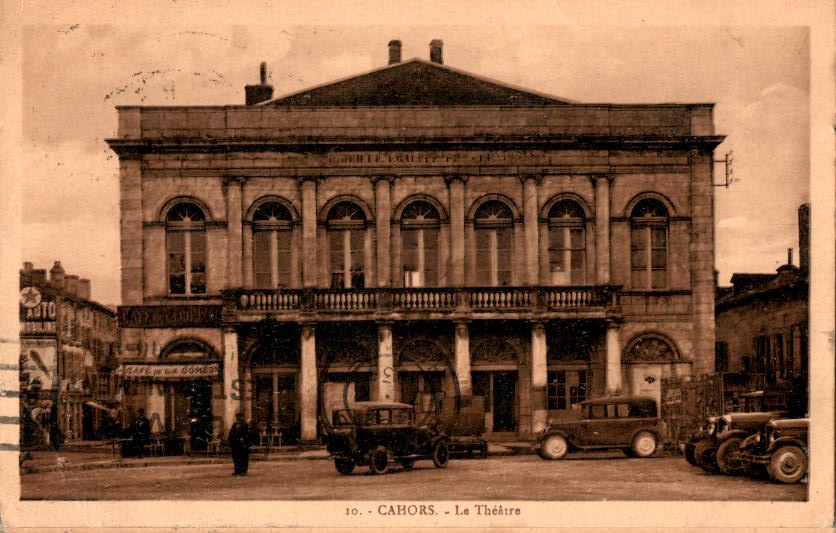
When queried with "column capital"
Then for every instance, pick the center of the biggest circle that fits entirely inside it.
(614, 322)
(462, 325)
(227, 330)
(450, 178)
(233, 180)
(538, 323)
(300, 180)
(595, 178)
(383, 323)
(382, 177)
(308, 329)
(537, 178)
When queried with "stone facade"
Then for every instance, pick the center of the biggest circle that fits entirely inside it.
(488, 242)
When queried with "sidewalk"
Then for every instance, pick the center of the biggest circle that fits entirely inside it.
(97, 457)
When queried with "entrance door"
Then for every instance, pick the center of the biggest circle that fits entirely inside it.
(87, 422)
(200, 413)
(504, 401)
(285, 417)
(263, 412)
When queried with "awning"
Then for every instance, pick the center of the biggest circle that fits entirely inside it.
(164, 371)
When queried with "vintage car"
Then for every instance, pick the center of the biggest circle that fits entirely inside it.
(379, 434)
(629, 423)
(717, 450)
(780, 449)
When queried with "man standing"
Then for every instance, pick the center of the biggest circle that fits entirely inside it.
(239, 443)
(141, 432)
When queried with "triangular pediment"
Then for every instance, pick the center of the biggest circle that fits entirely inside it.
(415, 82)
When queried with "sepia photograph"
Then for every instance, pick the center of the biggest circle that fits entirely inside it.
(418, 273)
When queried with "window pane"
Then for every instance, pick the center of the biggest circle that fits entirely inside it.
(261, 258)
(335, 251)
(659, 258)
(430, 257)
(659, 279)
(640, 279)
(198, 259)
(357, 250)
(176, 262)
(577, 260)
(503, 255)
(639, 259)
(357, 280)
(638, 238)
(657, 237)
(409, 250)
(483, 257)
(576, 238)
(556, 263)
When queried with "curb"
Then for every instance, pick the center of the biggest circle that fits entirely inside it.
(254, 457)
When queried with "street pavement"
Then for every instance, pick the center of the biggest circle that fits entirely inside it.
(599, 476)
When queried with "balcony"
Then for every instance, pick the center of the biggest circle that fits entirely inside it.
(431, 302)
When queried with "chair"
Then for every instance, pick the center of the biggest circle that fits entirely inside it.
(214, 446)
(263, 436)
(276, 436)
(157, 445)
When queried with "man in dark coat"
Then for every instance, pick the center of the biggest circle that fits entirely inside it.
(239, 443)
(141, 432)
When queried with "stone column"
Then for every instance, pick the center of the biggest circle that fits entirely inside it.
(309, 244)
(530, 219)
(246, 395)
(130, 222)
(539, 377)
(462, 355)
(230, 377)
(234, 259)
(602, 229)
(383, 216)
(385, 363)
(613, 383)
(247, 255)
(307, 384)
(456, 186)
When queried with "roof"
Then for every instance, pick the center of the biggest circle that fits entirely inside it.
(753, 287)
(619, 399)
(415, 83)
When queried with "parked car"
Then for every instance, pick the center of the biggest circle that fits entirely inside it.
(717, 451)
(379, 434)
(629, 423)
(780, 449)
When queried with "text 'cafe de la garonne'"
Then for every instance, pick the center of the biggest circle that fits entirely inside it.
(413, 233)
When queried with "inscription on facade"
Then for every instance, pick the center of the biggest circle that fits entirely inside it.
(180, 316)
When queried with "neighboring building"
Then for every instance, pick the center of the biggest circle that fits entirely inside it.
(412, 233)
(762, 320)
(67, 356)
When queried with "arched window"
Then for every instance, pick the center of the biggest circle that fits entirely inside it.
(493, 225)
(346, 236)
(419, 244)
(567, 248)
(649, 244)
(185, 236)
(271, 245)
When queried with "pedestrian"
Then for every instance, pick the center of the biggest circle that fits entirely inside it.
(239, 443)
(141, 432)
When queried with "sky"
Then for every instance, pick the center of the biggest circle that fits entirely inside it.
(73, 76)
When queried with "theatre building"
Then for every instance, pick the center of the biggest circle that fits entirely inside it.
(413, 233)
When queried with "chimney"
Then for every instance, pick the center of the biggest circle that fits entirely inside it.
(71, 284)
(56, 275)
(261, 92)
(38, 276)
(84, 288)
(789, 256)
(394, 52)
(804, 238)
(27, 267)
(435, 51)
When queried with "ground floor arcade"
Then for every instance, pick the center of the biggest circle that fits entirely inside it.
(287, 378)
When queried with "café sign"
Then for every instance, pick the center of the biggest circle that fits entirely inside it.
(169, 371)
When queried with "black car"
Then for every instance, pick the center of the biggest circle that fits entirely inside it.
(780, 449)
(717, 451)
(628, 423)
(379, 434)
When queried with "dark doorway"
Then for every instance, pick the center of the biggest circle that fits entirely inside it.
(200, 413)
(505, 401)
(88, 431)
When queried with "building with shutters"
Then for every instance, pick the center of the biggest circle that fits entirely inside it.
(414, 233)
(67, 357)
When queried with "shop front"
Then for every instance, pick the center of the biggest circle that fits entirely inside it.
(179, 390)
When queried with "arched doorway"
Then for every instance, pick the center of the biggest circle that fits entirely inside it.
(274, 388)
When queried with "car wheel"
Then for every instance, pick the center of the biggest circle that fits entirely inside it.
(706, 456)
(554, 447)
(344, 466)
(644, 444)
(788, 464)
(728, 460)
(441, 454)
(407, 464)
(689, 456)
(379, 461)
